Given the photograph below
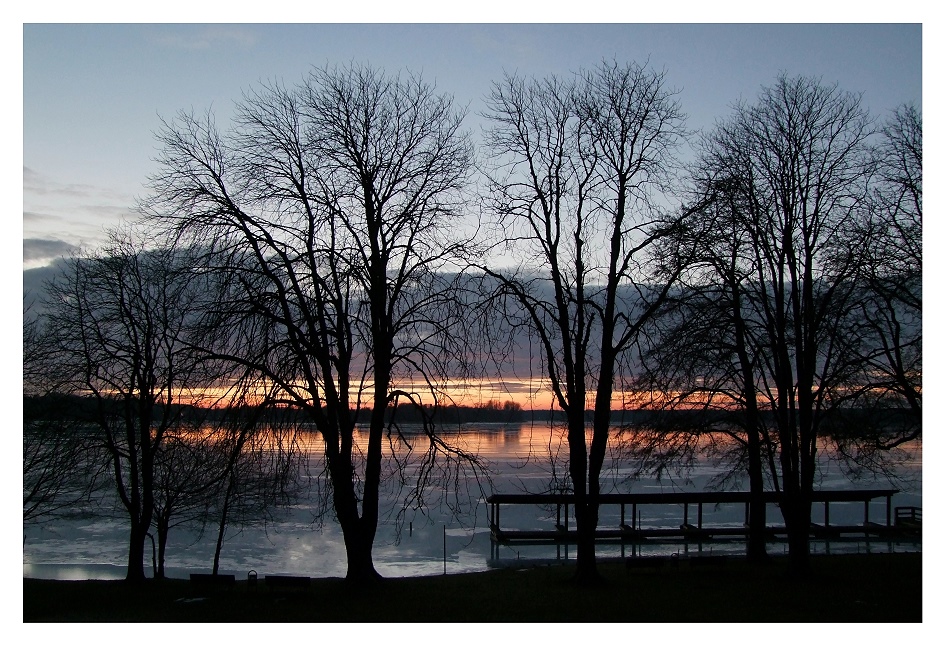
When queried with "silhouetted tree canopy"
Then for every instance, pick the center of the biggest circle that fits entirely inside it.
(330, 211)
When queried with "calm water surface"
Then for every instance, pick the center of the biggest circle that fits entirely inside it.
(451, 535)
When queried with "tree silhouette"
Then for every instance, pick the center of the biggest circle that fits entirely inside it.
(893, 308)
(577, 163)
(779, 261)
(121, 319)
(700, 356)
(331, 214)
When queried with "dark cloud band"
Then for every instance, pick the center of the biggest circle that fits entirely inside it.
(35, 249)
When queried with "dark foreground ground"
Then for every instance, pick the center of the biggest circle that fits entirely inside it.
(849, 588)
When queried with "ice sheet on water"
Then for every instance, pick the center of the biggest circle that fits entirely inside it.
(85, 547)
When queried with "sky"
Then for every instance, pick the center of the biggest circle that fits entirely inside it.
(94, 94)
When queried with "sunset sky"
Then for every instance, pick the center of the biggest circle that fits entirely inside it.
(93, 94)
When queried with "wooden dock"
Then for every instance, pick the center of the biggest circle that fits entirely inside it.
(694, 530)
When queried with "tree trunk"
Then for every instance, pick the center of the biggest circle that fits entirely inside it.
(797, 516)
(162, 543)
(358, 532)
(586, 523)
(799, 553)
(756, 551)
(586, 518)
(359, 566)
(136, 563)
(222, 522)
(219, 543)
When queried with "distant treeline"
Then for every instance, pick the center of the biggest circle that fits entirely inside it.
(87, 408)
(843, 423)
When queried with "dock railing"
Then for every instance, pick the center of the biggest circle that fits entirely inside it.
(908, 516)
(632, 501)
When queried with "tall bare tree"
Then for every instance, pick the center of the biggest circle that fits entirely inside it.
(578, 163)
(791, 175)
(121, 318)
(331, 210)
(701, 358)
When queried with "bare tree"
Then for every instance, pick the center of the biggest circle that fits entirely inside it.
(120, 319)
(257, 449)
(331, 210)
(792, 174)
(891, 313)
(701, 356)
(578, 163)
(184, 475)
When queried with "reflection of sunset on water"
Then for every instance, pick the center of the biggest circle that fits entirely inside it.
(518, 457)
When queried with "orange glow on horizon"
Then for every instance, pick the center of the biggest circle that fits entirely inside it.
(529, 394)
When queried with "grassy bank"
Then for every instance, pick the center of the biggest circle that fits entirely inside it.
(846, 588)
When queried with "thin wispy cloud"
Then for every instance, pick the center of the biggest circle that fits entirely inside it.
(39, 184)
(109, 211)
(60, 218)
(30, 176)
(41, 217)
(205, 38)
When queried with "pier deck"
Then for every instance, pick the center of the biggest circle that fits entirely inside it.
(689, 531)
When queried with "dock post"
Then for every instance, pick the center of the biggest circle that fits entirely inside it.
(685, 513)
(826, 513)
(888, 499)
(700, 515)
(866, 512)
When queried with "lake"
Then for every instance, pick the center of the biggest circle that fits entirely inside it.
(437, 540)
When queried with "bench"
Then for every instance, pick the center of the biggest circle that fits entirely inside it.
(287, 582)
(209, 582)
